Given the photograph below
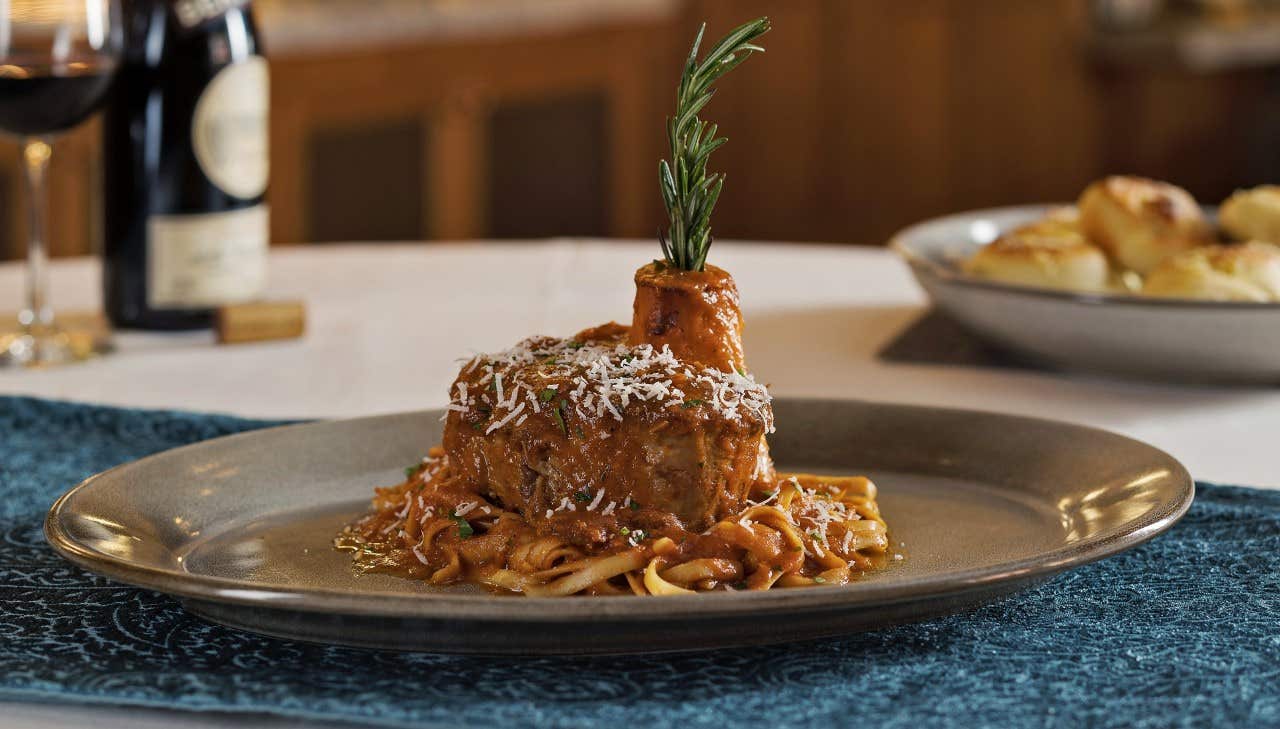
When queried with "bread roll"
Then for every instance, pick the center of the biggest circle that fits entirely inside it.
(1065, 219)
(1054, 259)
(1241, 272)
(1253, 214)
(1141, 222)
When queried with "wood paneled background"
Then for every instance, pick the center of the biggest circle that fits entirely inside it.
(866, 116)
(863, 116)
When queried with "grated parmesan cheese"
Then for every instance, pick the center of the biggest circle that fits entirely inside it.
(817, 512)
(603, 380)
(596, 501)
(509, 417)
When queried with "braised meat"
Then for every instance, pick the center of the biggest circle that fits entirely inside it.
(555, 426)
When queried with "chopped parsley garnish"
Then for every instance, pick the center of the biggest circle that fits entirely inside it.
(582, 496)
(547, 394)
(740, 585)
(409, 470)
(465, 529)
(559, 417)
(691, 404)
(635, 506)
(477, 427)
(740, 371)
(624, 531)
(576, 345)
(820, 580)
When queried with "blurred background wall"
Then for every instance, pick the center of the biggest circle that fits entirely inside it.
(458, 119)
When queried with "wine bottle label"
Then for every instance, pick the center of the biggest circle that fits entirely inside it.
(203, 261)
(229, 128)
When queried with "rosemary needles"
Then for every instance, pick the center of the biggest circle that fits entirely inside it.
(688, 192)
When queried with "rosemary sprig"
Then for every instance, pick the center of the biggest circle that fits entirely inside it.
(688, 192)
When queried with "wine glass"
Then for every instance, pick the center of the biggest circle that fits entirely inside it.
(57, 58)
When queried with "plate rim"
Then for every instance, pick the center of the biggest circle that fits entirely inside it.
(482, 608)
(900, 243)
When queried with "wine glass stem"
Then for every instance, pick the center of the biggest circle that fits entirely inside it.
(38, 315)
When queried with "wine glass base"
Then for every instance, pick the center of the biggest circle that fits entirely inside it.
(52, 346)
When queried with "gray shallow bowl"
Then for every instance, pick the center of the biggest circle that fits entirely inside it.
(1163, 339)
(239, 529)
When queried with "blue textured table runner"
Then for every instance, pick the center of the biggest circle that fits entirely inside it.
(1183, 631)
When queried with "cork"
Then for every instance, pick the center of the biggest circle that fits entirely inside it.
(260, 321)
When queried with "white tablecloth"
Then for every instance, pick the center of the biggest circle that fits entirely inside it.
(387, 324)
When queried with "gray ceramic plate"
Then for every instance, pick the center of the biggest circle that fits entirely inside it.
(239, 529)
(1165, 339)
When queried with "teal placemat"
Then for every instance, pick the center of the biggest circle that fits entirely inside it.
(1183, 631)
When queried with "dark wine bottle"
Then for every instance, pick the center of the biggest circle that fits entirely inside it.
(185, 165)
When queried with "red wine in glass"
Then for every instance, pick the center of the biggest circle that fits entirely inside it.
(42, 98)
(57, 59)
